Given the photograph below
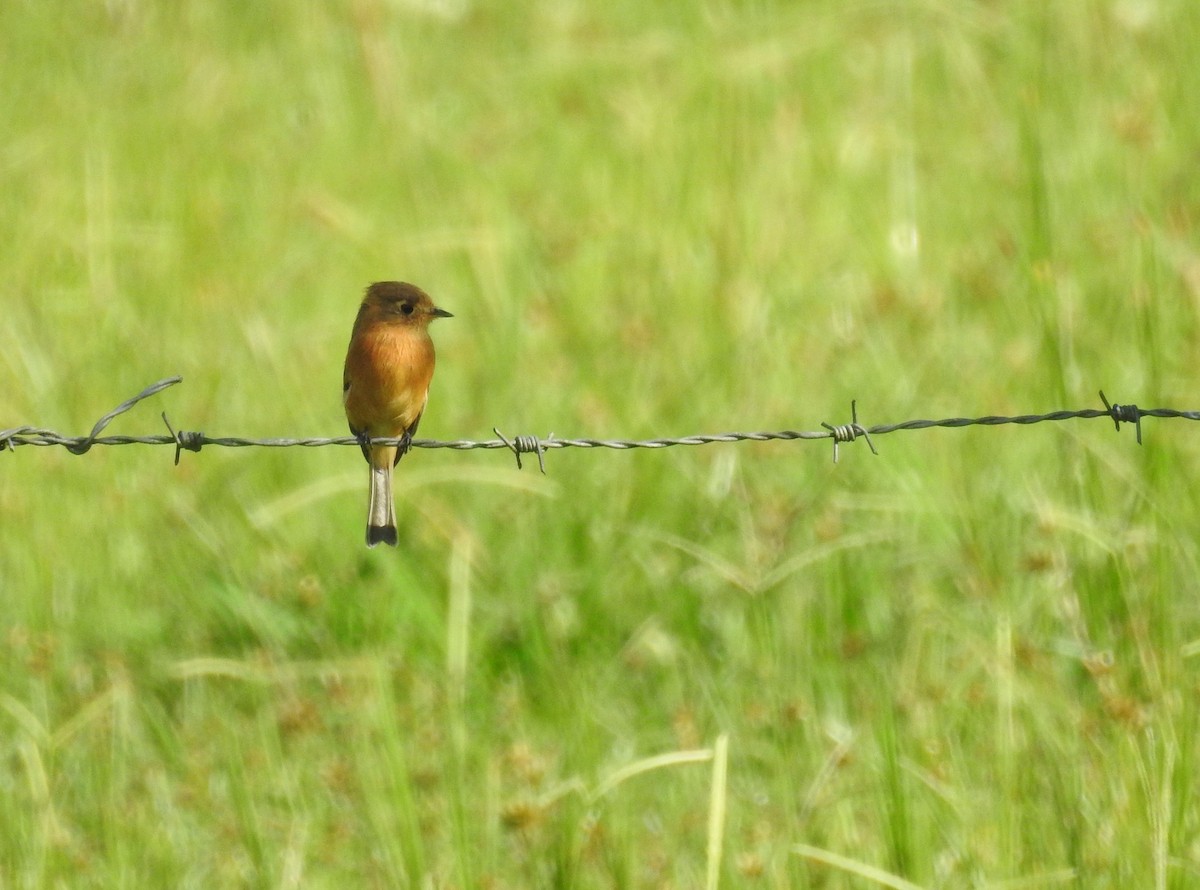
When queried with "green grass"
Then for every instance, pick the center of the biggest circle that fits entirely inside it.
(970, 661)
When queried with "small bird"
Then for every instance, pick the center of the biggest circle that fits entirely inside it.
(385, 384)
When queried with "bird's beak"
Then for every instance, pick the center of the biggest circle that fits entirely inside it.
(440, 313)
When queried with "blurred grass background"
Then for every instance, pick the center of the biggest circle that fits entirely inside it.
(970, 661)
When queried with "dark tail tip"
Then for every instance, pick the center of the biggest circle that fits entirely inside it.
(381, 534)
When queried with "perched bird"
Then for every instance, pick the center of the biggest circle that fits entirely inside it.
(385, 384)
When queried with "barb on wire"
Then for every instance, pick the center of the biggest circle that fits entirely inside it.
(184, 440)
(526, 445)
(1128, 413)
(192, 441)
(849, 432)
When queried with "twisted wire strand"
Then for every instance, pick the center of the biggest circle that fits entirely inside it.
(840, 434)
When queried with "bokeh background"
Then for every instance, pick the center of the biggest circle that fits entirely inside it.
(969, 661)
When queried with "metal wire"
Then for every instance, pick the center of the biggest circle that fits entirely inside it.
(184, 440)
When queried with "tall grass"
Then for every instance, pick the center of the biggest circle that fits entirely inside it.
(969, 661)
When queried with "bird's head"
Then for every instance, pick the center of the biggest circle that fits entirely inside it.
(399, 301)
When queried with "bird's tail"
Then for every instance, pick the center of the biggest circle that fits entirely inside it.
(381, 509)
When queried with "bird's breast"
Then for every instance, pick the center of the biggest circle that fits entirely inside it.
(388, 370)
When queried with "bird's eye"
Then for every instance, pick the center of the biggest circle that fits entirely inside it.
(407, 308)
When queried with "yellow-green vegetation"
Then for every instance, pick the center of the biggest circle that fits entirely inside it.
(970, 661)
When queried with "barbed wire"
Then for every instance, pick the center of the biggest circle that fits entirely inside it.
(185, 440)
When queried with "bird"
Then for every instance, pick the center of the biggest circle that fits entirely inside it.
(385, 385)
